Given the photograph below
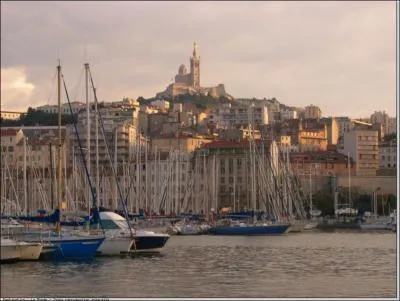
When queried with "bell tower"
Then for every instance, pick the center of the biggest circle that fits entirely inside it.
(195, 68)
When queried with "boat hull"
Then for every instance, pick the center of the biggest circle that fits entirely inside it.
(9, 254)
(113, 246)
(250, 230)
(64, 248)
(150, 243)
(376, 227)
(30, 251)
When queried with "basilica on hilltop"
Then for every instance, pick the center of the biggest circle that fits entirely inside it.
(189, 83)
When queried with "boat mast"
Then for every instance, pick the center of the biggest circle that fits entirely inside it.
(51, 176)
(25, 179)
(87, 127)
(348, 168)
(59, 144)
(311, 201)
(97, 151)
(115, 167)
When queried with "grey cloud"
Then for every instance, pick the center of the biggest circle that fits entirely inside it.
(300, 52)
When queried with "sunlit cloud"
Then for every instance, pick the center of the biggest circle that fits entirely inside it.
(16, 91)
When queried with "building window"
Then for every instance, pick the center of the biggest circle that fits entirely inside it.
(223, 180)
(230, 180)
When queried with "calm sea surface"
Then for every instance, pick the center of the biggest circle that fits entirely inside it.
(295, 265)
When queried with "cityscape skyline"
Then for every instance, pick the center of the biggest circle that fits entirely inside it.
(344, 60)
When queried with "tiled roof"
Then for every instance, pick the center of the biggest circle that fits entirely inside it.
(8, 132)
(226, 144)
(319, 156)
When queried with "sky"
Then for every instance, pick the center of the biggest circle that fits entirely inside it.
(340, 56)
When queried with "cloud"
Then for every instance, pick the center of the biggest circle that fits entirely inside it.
(338, 55)
(15, 90)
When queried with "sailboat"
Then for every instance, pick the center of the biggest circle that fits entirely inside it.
(60, 245)
(120, 237)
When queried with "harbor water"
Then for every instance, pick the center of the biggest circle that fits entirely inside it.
(310, 264)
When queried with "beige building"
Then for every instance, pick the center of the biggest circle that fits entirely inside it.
(363, 148)
(32, 143)
(312, 112)
(11, 115)
(243, 133)
(9, 139)
(184, 144)
(332, 130)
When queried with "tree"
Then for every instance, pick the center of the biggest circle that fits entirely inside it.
(141, 100)
(324, 201)
(390, 137)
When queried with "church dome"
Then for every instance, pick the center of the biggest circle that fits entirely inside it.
(182, 70)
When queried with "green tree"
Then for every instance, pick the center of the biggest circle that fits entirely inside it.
(324, 201)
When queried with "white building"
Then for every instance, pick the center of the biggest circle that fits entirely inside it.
(120, 132)
(53, 109)
(289, 115)
(161, 104)
(229, 116)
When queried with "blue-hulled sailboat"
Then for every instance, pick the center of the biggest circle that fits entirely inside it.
(62, 245)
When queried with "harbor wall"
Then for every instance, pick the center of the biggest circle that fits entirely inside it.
(387, 184)
(367, 184)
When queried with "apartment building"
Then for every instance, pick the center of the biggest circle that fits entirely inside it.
(11, 115)
(184, 143)
(312, 112)
(332, 130)
(383, 118)
(120, 135)
(10, 136)
(321, 163)
(305, 134)
(388, 155)
(363, 148)
(32, 145)
(53, 109)
(228, 166)
(228, 115)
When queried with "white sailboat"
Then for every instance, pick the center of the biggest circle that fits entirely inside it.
(19, 250)
(115, 243)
